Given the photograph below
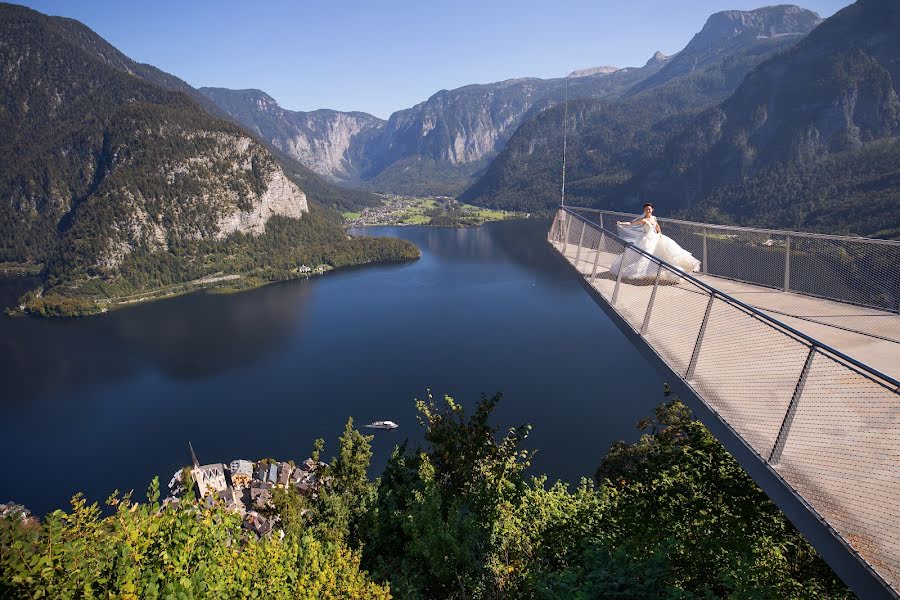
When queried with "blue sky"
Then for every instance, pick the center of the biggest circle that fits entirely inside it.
(379, 57)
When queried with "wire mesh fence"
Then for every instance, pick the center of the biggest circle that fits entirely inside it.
(827, 424)
(861, 274)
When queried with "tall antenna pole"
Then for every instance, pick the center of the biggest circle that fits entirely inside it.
(562, 199)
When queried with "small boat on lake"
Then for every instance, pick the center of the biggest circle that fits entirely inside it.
(382, 425)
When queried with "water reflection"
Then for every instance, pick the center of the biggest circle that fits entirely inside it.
(263, 373)
(519, 242)
(187, 337)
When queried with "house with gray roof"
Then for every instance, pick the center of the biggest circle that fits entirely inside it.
(284, 474)
(241, 473)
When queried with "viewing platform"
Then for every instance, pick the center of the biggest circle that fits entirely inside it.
(787, 345)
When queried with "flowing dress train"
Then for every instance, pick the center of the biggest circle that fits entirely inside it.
(637, 267)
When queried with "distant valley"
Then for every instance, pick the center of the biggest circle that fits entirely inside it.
(769, 117)
(441, 145)
(119, 180)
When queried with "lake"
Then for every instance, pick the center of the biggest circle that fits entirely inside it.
(107, 402)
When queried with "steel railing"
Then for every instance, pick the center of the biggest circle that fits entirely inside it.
(863, 272)
(826, 423)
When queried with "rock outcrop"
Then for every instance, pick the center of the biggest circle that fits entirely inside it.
(329, 142)
(281, 198)
(102, 157)
(593, 71)
(729, 32)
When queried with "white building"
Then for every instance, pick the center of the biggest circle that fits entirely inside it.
(210, 479)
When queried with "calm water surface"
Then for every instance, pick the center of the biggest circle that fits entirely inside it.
(110, 401)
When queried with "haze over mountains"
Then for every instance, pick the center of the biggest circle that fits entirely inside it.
(438, 145)
(801, 135)
(768, 116)
(434, 147)
(656, 130)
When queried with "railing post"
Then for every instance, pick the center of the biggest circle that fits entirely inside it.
(602, 234)
(781, 440)
(580, 242)
(703, 267)
(652, 298)
(696, 354)
(619, 276)
(597, 256)
(564, 225)
(787, 263)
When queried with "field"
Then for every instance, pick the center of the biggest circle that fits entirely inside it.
(438, 212)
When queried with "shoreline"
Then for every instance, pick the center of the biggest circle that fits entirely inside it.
(211, 284)
(433, 226)
(439, 211)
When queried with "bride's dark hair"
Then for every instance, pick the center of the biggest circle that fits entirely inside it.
(646, 204)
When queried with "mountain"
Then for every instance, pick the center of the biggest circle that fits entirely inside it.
(117, 180)
(731, 32)
(432, 148)
(657, 59)
(83, 38)
(329, 142)
(592, 71)
(620, 134)
(441, 145)
(805, 116)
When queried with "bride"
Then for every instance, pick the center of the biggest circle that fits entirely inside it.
(644, 233)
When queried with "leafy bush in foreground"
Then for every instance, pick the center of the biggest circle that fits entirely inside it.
(670, 516)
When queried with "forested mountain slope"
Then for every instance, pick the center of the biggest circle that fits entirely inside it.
(806, 140)
(613, 139)
(809, 140)
(101, 169)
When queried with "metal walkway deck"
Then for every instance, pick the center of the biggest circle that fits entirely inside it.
(794, 371)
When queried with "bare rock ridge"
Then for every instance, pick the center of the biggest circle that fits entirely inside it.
(281, 197)
(328, 142)
(433, 147)
(593, 71)
(731, 31)
(440, 144)
(657, 59)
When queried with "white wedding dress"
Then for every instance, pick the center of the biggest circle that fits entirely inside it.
(644, 236)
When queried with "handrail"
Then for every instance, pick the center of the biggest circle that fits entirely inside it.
(821, 236)
(867, 370)
(779, 439)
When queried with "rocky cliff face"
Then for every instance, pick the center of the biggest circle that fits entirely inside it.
(727, 33)
(280, 197)
(462, 125)
(97, 162)
(835, 91)
(330, 142)
(432, 148)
